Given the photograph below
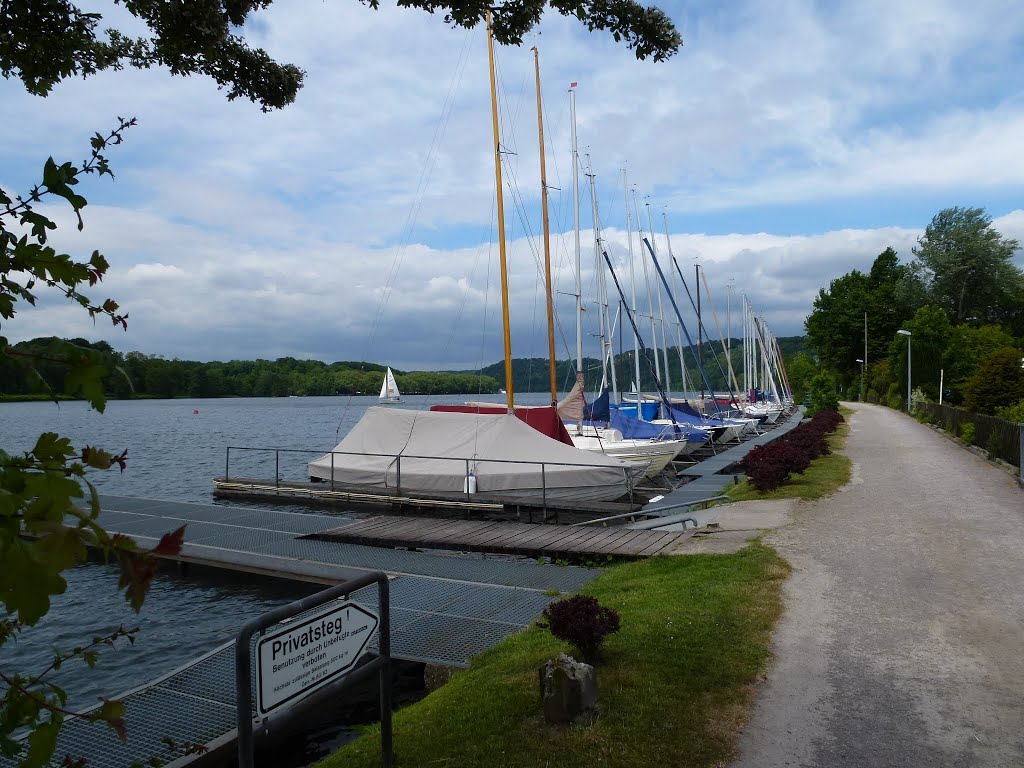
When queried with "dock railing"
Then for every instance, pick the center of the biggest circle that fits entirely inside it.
(631, 475)
(658, 520)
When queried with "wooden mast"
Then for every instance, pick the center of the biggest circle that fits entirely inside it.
(547, 233)
(501, 222)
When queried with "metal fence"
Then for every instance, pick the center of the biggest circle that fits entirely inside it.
(1001, 438)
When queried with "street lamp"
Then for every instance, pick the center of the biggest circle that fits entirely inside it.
(907, 334)
(861, 379)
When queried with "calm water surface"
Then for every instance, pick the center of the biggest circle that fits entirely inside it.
(175, 448)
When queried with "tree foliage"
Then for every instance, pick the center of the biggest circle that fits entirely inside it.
(998, 382)
(961, 297)
(966, 267)
(43, 42)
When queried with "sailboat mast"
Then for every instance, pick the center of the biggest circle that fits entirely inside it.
(547, 233)
(650, 299)
(607, 353)
(684, 385)
(661, 312)
(501, 221)
(700, 327)
(576, 222)
(632, 285)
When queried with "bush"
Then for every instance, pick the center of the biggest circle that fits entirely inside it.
(992, 446)
(583, 623)
(764, 467)
(1012, 413)
(823, 393)
(967, 432)
(871, 396)
(998, 382)
(769, 466)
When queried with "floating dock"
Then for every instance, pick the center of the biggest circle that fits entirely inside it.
(555, 541)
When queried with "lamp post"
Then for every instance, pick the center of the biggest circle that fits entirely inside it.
(901, 332)
(861, 379)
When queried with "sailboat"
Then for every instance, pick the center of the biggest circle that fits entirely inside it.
(650, 453)
(389, 389)
(430, 453)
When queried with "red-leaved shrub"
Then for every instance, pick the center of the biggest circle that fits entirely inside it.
(583, 623)
(769, 466)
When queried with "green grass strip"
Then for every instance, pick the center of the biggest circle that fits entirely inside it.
(674, 685)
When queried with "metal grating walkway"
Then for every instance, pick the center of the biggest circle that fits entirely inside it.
(445, 609)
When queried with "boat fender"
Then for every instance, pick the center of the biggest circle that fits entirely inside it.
(469, 486)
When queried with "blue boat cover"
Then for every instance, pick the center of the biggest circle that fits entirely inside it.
(597, 410)
(633, 429)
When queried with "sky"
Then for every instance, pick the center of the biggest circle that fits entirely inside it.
(784, 145)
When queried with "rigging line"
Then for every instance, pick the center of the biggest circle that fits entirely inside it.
(657, 381)
(679, 316)
(426, 173)
(731, 380)
(440, 129)
(520, 207)
(704, 328)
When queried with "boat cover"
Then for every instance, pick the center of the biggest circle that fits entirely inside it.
(543, 418)
(597, 410)
(634, 429)
(571, 407)
(504, 453)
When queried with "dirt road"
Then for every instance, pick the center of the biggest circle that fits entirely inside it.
(903, 638)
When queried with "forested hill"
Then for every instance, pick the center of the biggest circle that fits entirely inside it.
(135, 374)
(531, 374)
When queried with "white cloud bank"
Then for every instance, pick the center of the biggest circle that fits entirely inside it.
(802, 139)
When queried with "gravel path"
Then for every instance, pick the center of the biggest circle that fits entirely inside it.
(902, 643)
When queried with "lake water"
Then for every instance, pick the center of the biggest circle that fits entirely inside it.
(175, 448)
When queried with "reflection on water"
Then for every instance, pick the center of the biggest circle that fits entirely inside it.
(182, 618)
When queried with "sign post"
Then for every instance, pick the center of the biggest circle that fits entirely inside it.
(296, 659)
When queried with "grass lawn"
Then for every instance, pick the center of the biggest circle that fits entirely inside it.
(674, 685)
(825, 476)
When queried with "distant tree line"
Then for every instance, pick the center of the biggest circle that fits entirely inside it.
(961, 297)
(135, 374)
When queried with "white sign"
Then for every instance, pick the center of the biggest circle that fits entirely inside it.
(293, 661)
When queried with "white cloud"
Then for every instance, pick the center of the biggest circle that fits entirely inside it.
(355, 223)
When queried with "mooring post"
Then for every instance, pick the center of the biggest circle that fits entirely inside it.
(277, 469)
(227, 462)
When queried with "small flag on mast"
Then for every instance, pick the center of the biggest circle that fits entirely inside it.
(573, 84)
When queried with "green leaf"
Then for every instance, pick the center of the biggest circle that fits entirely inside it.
(42, 742)
(88, 380)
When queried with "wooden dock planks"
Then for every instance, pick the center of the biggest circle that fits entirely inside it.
(533, 540)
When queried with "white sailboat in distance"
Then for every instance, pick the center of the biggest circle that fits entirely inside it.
(389, 389)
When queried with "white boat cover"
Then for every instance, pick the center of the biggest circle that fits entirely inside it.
(434, 447)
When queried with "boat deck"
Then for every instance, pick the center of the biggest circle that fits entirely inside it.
(556, 541)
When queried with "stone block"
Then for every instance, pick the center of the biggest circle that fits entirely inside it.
(568, 690)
